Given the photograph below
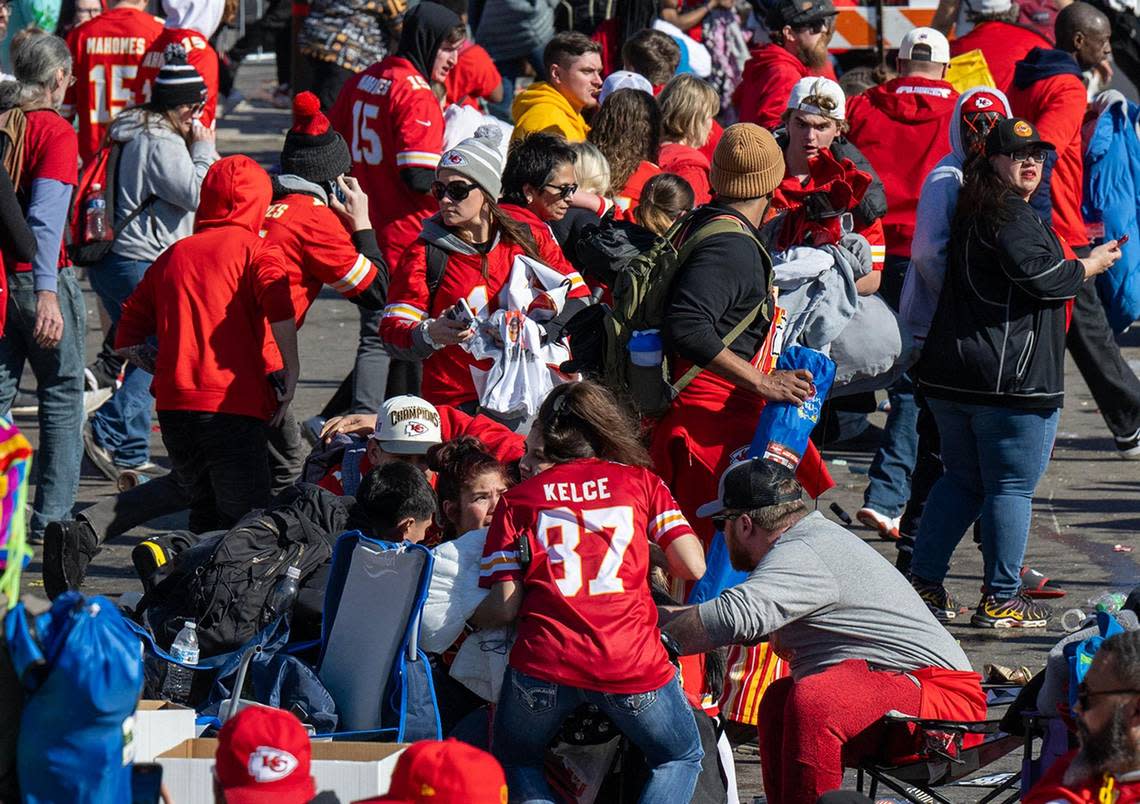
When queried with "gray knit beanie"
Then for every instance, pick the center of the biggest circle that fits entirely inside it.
(479, 159)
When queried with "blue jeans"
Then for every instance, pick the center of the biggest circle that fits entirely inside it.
(122, 424)
(59, 388)
(894, 461)
(660, 723)
(993, 458)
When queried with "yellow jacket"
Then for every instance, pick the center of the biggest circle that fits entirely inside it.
(541, 107)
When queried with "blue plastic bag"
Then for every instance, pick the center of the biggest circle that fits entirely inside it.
(784, 429)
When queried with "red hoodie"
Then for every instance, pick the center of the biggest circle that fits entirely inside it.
(691, 165)
(769, 76)
(901, 128)
(209, 297)
(1003, 44)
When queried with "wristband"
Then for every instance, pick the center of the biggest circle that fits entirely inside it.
(427, 335)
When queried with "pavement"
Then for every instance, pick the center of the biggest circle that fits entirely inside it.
(1087, 504)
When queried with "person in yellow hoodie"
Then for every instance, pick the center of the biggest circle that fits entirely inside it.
(573, 81)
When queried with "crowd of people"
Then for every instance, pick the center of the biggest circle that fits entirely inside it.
(500, 192)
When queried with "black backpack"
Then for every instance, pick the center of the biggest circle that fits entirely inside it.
(223, 581)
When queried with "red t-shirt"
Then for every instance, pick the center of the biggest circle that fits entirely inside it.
(587, 618)
(318, 251)
(391, 121)
(199, 55)
(474, 76)
(629, 196)
(691, 165)
(51, 151)
(106, 52)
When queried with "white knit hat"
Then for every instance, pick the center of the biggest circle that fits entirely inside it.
(479, 159)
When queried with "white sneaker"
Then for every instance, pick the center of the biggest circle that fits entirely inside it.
(887, 527)
(1129, 448)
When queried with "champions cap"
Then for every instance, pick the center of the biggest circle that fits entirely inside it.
(407, 425)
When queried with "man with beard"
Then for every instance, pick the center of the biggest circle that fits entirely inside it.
(854, 656)
(1106, 766)
(799, 34)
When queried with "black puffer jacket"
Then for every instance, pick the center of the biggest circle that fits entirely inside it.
(998, 337)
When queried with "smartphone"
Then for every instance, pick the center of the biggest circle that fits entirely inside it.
(462, 313)
(1120, 241)
(146, 783)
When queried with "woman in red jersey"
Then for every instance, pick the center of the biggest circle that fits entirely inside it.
(568, 556)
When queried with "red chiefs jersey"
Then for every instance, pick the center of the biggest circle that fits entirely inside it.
(391, 121)
(199, 55)
(474, 76)
(106, 53)
(318, 250)
(587, 618)
(474, 277)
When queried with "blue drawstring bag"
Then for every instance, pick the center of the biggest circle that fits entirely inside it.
(81, 668)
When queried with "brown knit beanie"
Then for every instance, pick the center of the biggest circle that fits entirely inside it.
(747, 162)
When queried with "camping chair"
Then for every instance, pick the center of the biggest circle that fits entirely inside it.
(944, 760)
(370, 660)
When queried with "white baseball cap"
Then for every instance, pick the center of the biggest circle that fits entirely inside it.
(820, 96)
(407, 425)
(988, 8)
(935, 47)
(624, 79)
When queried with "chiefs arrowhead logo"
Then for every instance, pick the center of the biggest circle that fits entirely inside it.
(415, 429)
(455, 158)
(268, 764)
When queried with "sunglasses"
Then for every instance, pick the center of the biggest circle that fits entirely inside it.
(1084, 693)
(455, 190)
(720, 521)
(815, 27)
(565, 191)
(1027, 155)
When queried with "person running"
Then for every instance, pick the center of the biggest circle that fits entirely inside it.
(107, 52)
(394, 127)
(567, 556)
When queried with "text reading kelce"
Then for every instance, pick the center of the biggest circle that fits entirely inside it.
(577, 492)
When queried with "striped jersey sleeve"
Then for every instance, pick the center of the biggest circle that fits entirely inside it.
(408, 298)
(418, 124)
(500, 560)
(330, 255)
(666, 522)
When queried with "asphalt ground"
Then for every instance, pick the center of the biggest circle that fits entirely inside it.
(1087, 504)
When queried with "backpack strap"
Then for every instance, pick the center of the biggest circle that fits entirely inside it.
(436, 268)
(721, 224)
(111, 189)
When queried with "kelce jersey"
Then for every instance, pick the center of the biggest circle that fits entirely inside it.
(587, 618)
(199, 55)
(106, 52)
(391, 121)
(318, 251)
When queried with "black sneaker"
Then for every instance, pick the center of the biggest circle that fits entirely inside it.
(68, 550)
(944, 607)
(1018, 611)
(148, 556)
(1128, 447)
(99, 455)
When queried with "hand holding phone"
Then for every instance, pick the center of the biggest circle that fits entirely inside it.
(462, 313)
(1120, 241)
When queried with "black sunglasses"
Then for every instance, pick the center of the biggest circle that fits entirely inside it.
(1084, 693)
(565, 191)
(1030, 155)
(720, 521)
(455, 190)
(815, 27)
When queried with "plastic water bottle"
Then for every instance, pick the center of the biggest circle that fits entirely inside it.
(280, 600)
(176, 687)
(1109, 602)
(95, 226)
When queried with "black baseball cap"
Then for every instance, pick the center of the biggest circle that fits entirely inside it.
(1012, 135)
(798, 12)
(751, 484)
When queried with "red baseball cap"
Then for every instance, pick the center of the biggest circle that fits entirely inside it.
(263, 758)
(983, 101)
(447, 772)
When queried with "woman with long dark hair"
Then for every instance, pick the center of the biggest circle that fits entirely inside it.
(475, 243)
(992, 371)
(627, 129)
(567, 555)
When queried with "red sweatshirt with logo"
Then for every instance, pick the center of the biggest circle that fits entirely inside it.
(209, 299)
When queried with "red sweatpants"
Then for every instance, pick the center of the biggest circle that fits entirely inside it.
(810, 729)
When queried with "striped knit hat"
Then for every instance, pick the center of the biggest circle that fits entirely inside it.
(178, 83)
(479, 159)
(312, 149)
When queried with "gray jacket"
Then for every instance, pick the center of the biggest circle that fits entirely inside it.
(154, 160)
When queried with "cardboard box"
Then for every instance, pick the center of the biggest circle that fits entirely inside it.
(159, 726)
(351, 770)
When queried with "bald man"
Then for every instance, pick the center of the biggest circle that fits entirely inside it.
(1049, 90)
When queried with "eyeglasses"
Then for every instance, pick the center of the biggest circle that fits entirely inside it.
(815, 27)
(1084, 693)
(455, 190)
(565, 191)
(1027, 155)
(720, 521)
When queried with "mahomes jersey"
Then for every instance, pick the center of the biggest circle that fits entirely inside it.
(199, 55)
(587, 617)
(391, 121)
(318, 250)
(106, 52)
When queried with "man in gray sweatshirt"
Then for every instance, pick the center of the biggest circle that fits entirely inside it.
(859, 640)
